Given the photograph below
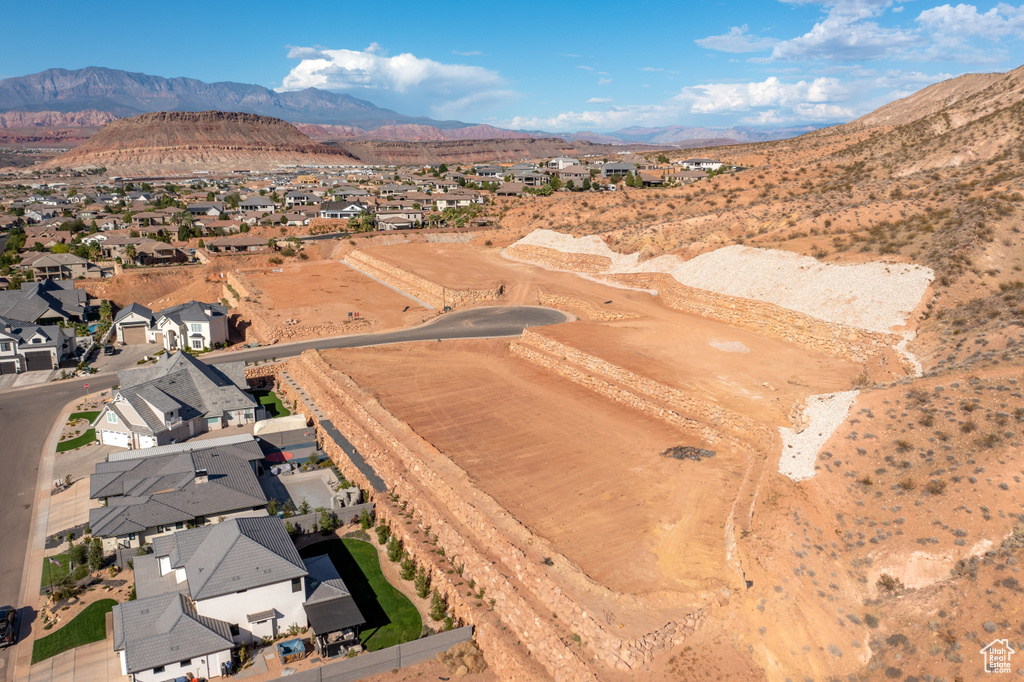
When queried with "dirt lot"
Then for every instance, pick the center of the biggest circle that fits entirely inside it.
(325, 292)
(738, 369)
(579, 470)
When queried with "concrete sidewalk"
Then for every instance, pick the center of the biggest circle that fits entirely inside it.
(85, 663)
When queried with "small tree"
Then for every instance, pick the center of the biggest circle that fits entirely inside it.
(437, 606)
(395, 549)
(365, 522)
(422, 582)
(408, 568)
(304, 507)
(383, 532)
(96, 554)
(273, 506)
(662, 158)
(327, 521)
(78, 554)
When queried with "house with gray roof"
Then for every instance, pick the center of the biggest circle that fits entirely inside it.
(257, 203)
(173, 400)
(147, 496)
(27, 347)
(330, 608)
(166, 638)
(46, 302)
(193, 325)
(244, 571)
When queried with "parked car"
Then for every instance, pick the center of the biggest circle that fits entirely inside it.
(108, 350)
(8, 626)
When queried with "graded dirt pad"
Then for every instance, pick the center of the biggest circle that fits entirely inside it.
(756, 376)
(581, 471)
(326, 292)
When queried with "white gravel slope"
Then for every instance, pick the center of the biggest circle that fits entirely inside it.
(875, 296)
(800, 450)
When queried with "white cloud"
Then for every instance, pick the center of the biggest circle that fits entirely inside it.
(965, 20)
(468, 53)
(712, 98)
(585, 68)
(600, 100)
(652, 68)
(845, 35)
(737, 40)
(405, 80)
(604, 81)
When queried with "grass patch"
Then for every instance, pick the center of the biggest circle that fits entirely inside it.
(273, 404)
(52, 571)
(89, 416)
(390, 617)
(86, 438)
(85, 628)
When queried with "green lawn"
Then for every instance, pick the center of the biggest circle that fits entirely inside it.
(86, 438)
(273, 404)
(90, 416)
(88, 626)
(55, 572)
(390, 617)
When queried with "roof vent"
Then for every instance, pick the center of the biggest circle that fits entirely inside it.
(201, 476)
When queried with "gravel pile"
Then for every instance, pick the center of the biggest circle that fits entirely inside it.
(875, 296)
(824, 414)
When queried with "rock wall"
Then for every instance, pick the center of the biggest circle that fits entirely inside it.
(705, 420)
(482, 537)
(552, 258)
(423, 289)
(580, 308)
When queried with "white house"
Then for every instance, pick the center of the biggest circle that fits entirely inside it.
(193, 325)
(701, 164)
(562, 162)
(25, 347)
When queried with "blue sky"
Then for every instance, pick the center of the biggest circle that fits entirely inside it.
(553, 66)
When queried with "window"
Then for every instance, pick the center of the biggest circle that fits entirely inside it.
(296, 584)
(197, 344)
(179, 525)
(187, 662)
(234, 629)
(157, 670)
(37, 340)
(131, 537)
(5, 347)
(111, 418)
(197, 327)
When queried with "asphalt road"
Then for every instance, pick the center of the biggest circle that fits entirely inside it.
(27, 415)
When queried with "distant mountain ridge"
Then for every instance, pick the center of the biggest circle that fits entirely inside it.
(128, 94)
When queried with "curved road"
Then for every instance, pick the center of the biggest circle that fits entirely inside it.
(27, 415)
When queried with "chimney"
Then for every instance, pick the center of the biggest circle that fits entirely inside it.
(201, 476)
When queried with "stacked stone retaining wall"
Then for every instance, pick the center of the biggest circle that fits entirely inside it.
(474, 530)
(559, 260)
(581, 308)
(419, 287)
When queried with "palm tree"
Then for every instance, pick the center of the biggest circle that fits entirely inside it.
(129, 251)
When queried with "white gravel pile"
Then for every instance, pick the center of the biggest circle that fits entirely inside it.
(875, 296)
(728, 346)
(824, 414)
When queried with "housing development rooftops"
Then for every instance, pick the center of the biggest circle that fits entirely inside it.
(164, 629)
(35, 299)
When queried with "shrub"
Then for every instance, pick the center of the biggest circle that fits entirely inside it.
(78, 554)
(80, 572)
(96, 554)
(383, 533)
(327, 521)
(365, 522)
(422, 582)
(935, 486)
(907, 484)
(408, 568)
(395, 549)
(437, 606)
(890, 583)
(904, 445)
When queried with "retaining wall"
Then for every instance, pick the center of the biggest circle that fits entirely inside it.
(552, 258)
(581, 308)
(423, 289)
(480, 535)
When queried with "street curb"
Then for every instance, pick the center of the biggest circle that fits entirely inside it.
(32, 570)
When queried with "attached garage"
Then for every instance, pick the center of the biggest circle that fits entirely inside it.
(36, 360)
(121, 440)
(133, 334)
(9, 367)
(159, 338)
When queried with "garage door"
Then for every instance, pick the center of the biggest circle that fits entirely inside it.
(38, 359)
(134, 334)
(9, 367)
(121, 440)
(159, 338)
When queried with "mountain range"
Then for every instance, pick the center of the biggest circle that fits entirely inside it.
(62, 97)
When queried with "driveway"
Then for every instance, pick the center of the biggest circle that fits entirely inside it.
(125, 357)
(94, 662)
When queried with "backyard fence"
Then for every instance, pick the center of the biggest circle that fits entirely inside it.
(385, 660)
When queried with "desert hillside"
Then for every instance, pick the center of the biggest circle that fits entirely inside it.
(171, 142)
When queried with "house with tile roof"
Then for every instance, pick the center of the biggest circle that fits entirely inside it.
(151, 493)
(173, 400)
(244, 571)
(165, 638)
(45, 302)
(27, 347)
(193, 325)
